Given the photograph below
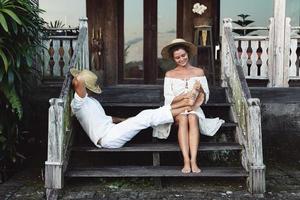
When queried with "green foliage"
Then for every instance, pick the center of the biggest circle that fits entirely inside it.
(243, 22)
(20, 25)
(56, 24)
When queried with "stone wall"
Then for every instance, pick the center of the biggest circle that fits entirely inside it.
(280, 108)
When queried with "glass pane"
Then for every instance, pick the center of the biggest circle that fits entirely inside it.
(56, 10)
(293, 11)
(259, 13)
(166, 31)
(133, 39)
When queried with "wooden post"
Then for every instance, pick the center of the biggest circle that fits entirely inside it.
(271, 53)
(256, 180)
(54, 178)
(225, 56)
(287, 47)
(85, 63)
(156, 163)
(279, 39)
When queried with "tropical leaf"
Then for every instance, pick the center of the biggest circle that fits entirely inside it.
(243, 23)
(13, 99)
(1, 74)
(4, 59)
(3, 22)
(12, 15)
(243, 16)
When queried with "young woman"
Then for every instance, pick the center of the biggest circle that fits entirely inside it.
(185, 78)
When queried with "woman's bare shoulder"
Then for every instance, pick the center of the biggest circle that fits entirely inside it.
(170, 73)
(198, 71)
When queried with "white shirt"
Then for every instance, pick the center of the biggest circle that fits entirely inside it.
(92, 117)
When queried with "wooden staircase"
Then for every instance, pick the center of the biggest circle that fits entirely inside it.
(148, 157)
(235, 151)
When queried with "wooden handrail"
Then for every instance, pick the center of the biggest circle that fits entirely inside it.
(60, 130)
(67, 81)
(244, 110)
(236, 61)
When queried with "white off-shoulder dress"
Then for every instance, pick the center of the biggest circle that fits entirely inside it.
(172, 88)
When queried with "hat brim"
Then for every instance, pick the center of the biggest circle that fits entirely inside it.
(192, 49)
(96, 88)
(74, 72)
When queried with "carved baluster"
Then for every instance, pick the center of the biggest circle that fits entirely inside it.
(244, 56)
(239, 49)
(71, 50)
(51, 54)
(259, 60)
(249, 61)
(264, 57)
(254, 58)
(61, 62)
(298, 61)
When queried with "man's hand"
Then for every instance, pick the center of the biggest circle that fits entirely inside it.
(79, 86)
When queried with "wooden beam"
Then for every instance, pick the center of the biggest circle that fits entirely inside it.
(111, 41)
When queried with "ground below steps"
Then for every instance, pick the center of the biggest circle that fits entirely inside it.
(282, 179)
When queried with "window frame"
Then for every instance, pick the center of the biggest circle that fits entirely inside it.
(149, 43)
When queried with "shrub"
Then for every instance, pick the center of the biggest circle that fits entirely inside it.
(20, 25)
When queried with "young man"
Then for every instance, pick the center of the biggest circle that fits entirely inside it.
(111, 132)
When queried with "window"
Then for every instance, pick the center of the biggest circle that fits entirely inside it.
(145, 27)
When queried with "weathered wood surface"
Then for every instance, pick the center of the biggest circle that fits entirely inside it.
(286, 53)
(271, 53)
(155, 171)
(279, 43)
(159, 147)
(246, 111)
(256, 179)
(59, 126)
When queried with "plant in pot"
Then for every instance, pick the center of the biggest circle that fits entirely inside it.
(200, 20)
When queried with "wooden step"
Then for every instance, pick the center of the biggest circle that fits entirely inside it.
(156, 105)
(155, 171)
(159, 147)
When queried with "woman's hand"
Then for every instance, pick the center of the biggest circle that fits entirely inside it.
(198, 95)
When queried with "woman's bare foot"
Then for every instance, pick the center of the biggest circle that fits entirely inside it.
(186, 167)
(195, 168)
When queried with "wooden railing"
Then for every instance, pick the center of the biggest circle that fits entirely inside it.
(253, 53)
(245, 111)
(258, 55)
(59, 46)
(59, 125)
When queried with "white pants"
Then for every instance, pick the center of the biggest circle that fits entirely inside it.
(123, 132)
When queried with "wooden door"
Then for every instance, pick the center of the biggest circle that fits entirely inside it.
(154, 20)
